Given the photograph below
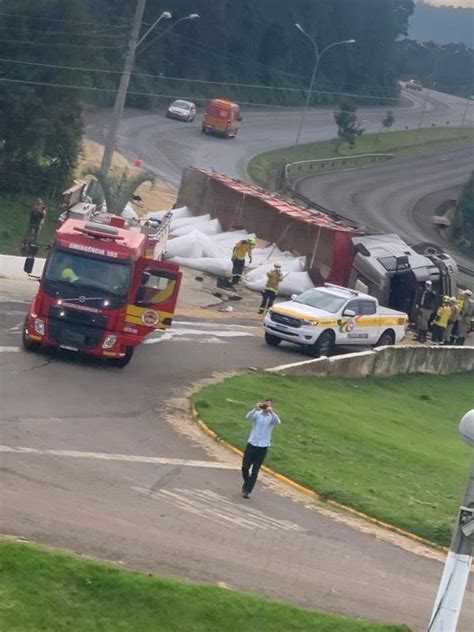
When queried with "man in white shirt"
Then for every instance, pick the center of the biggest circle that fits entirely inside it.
(263, 420)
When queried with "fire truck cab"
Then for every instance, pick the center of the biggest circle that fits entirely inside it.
(104, 288)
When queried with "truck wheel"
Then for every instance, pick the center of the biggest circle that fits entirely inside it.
(323, 345)
(122, 362)
(386, 339)
(29, 345)
(271, 340)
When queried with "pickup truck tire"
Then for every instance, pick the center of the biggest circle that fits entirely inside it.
(29, 345)
(122, 362)
(386, 339)
(271, 340)
(323, 345)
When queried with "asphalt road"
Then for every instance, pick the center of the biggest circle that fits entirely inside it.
(384, 198)
(105, 462)
(167, 146)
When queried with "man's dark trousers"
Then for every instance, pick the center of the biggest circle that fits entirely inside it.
(253, 458)
(238, 266)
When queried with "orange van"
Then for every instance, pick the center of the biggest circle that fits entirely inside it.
(221, 117)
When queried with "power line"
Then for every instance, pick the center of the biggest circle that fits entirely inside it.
(143, 94)
(203, 81)
(104, 33)
(35, 17)
(54, 44)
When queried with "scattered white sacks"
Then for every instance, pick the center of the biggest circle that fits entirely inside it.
(211, 227)
(295, 283)
(193, 245)
(129, 213)
(232, 236)
(296, 264)
(193, 221)
(185, 246)
(211, 265)
(178, 213)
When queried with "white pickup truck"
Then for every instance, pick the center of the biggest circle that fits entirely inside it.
(332, 315)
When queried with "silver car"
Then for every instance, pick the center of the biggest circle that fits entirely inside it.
(182, 111)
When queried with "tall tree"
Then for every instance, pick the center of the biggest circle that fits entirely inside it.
(348, 129)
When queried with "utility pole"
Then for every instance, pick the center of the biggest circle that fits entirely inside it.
(448, 603)
(122, 91)
(468, 103)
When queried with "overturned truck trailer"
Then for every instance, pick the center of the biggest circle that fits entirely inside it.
(336, 250)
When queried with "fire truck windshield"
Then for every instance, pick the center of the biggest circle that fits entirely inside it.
(70, 273)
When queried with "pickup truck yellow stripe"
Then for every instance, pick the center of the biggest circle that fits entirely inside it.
(390, 320)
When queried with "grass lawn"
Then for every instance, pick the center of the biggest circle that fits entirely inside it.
(53, 592)
(408, 143)
(387, 447)
(14, 217)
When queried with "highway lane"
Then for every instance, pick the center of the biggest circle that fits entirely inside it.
(166, 146)
(107, 463)
(383, 198)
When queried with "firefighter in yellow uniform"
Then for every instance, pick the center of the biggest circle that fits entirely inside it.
(274, 278)
(441, 320)
(242, 249)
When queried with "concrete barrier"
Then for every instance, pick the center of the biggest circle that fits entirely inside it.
(386, 362)
(12, 267)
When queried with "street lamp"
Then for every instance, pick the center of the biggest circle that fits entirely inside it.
(166, 15)
(318, 57)
(133, 44)
(191, 16)
(452, 587)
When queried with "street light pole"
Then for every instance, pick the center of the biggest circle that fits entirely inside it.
(452, 587)
(133, 45)
(122, 91)
(318, 57)
(192, 16)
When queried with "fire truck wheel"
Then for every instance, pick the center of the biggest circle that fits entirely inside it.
(122, 362)
(29, 345)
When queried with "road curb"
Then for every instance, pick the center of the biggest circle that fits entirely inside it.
(314, 495)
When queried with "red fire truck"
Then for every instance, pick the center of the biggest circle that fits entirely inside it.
(104, 288)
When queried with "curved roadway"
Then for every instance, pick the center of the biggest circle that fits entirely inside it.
(105, 462)
(383, 198)
(166, 146)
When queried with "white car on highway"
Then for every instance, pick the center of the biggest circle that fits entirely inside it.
(182, 111)
(323, 317)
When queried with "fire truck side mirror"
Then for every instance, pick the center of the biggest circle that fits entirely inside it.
(28, 266)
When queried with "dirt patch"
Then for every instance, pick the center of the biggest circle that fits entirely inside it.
(160, 197)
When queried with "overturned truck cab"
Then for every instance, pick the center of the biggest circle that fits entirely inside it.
(384, 266)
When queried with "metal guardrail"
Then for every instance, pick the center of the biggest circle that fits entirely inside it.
(305, 167)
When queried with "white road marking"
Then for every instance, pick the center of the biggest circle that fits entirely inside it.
(10, 349)
(207, 336)
(106, 456)
(213, 506)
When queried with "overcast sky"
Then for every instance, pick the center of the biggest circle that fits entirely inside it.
(453, 3)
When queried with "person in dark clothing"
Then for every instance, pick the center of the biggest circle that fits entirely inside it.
(37, 219)
(263, 419)
(426, 305)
